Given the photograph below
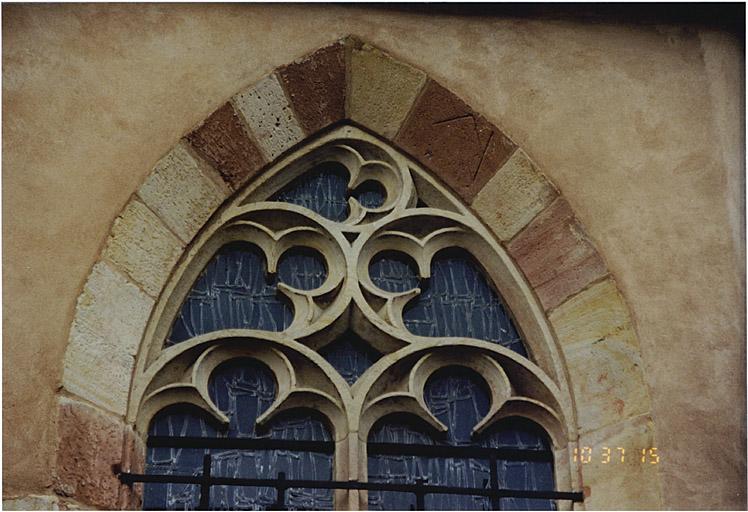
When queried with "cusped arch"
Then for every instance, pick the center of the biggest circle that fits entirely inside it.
(519, 227)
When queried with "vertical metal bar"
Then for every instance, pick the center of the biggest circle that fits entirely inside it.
(280, 492)
(205, 484)
(494, 482)
(420, 495)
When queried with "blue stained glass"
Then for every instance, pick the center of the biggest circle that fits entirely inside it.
(242, 389)
(393, 272)
(234, 291)
(459, 301)
(459, 398)
(324, 190)
(350, 356)
(302, 268)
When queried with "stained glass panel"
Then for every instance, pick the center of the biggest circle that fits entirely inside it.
(324, 190)
(242, 389)
(459, 398)
(459, 301)
(350, 356)
(234, 291)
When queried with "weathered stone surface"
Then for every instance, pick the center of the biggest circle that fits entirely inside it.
(603, 356)
(316, 87)
(616, 485)
(134, 462)
(513, 196)
(607, 381)
(223, 141)
(143, 247)
(269, 116)
(555, 255)
(382, 90)
(32, 502)
(597, 313)
(457, 143)
(89, 443)
(109, 321)
(180, 190)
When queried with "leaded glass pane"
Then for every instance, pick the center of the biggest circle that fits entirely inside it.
(393, 272)
(324, 190)
(234, 291)
(459, 301)
(350, 356)
(459, 398)
(242, 389)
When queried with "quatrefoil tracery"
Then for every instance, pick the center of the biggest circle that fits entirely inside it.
(414, 219)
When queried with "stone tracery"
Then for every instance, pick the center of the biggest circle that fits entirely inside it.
(355, 264)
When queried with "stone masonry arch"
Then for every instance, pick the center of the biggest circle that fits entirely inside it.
(351, 81)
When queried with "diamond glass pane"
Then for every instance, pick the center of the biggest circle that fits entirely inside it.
(459, 399)
(242, 389)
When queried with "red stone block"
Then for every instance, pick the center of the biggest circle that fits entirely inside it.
(316, 86)
(134, 462)
(223, 141)
(555, 255)
(455, 142)
(89, 444)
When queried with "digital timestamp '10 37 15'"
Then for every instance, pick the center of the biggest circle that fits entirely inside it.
(617, 455)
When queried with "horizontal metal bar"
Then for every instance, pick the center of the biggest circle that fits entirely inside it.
(328, 447)
(426, 450)
(240, 443)
(130, 478)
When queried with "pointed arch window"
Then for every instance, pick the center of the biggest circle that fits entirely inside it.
(345, 298)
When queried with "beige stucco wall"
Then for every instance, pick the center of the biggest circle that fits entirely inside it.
(640, 127)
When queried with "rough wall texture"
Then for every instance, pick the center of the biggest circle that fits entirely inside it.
(640, 138)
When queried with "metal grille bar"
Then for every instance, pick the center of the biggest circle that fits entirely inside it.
(281, 484)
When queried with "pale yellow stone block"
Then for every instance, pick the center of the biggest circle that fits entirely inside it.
(381, 90)
(110, 318)
(513, 196)
(603, 356)
(612, 468)
(269, 116)
(594, 314)
(142, 246)
(183, 191)
(32, 502)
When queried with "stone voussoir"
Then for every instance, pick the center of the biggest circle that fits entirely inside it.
(269, 116)
(223, 141)
(143, 247)
(461, 146)
(603, 356)
(555, 255)
(316, 87)
(89, 444)
(110, 318)
(381, 89)
(513, 196)
(183, 191)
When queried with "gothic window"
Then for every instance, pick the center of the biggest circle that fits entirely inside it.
(347, 299)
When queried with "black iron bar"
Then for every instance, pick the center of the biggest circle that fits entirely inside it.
(280, 492)
(494, 481)
(239, 443)
(130, 478)
(205, 483)
(423, 450)
(420, 495)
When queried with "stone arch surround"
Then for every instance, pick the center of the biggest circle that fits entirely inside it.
(351, 81)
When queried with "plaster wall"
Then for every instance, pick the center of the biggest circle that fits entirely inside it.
(639, 126)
